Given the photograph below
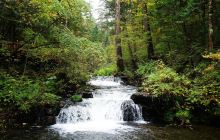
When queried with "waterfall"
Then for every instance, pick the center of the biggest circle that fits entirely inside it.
(131, 111)
(111, 104)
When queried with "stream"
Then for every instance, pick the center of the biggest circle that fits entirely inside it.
(109, 115)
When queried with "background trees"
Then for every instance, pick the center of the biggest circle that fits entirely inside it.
(183, 38)
(48, 49)
(44, 31)
(168, 29)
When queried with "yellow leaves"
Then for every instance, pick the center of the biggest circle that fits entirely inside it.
(129, 1)
(151, 4)
(50, 1)
(48, 9)
(213, 56)
(209, 68)
(53, 15)
(34, 2)
(158, 31)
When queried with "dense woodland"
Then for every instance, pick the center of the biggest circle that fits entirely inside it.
(50, 48)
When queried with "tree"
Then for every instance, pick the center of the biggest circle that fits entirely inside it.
(120, 63)
(147, 29)
(210, 25)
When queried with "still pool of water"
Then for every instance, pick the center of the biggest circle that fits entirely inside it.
(133, 132)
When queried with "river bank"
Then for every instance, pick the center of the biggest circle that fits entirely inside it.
(32, 109)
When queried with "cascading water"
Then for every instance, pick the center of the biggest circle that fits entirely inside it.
(101, 118)
(109, 108)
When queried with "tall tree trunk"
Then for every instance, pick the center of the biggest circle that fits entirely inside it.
(131, 52)
(210, 25)
(133, 58)
(150, 46)
(120, 63)
(130, 44)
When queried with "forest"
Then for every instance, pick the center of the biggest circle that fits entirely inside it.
(168, 49)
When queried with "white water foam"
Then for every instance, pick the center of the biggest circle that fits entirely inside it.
(93, 126)
(104, 112)
(105, 81)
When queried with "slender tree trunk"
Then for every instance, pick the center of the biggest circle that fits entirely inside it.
(150, 46)
(120, 63)
(130, 45)
(210, 25)
(131, 52)
(133, 59)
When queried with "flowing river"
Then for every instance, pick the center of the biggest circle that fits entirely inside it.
(109, 115)
(106, 112)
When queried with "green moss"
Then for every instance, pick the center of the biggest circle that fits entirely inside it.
(76, 98)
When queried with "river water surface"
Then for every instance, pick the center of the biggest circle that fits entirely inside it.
(110, 115)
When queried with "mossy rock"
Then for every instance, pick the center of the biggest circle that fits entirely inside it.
(76, 98)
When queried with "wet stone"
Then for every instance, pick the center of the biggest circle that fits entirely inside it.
(87, 95)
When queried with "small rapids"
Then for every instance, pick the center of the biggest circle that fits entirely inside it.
(108, 110)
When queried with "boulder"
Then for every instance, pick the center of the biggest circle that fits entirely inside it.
(87, 95)
(50, 120)
(142, 99)
(153, 107)
(62, 104)
(130, 111)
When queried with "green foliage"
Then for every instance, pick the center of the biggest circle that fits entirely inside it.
(49, 99)
(181, 94)
(183, 115)
(179, 30)
(205, 91)
(52, 31)
(106, 71)
(25, 93)
(76, 98)
(160, 79)
(169, 116)
(146, 69)
(43, 38)
(129, 74)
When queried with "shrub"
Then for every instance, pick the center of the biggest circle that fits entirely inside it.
(183, 115)
(183, 97)
(23, 94)
(166, 81)
(146, 69)
(170, 88)
(106, 71)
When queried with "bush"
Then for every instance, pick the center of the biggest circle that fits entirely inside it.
(23, 94)
(165, 80)
(206, 89)
(183, 115)
(106, 71)
(183, 97)
(144, 70)
(170, 87)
